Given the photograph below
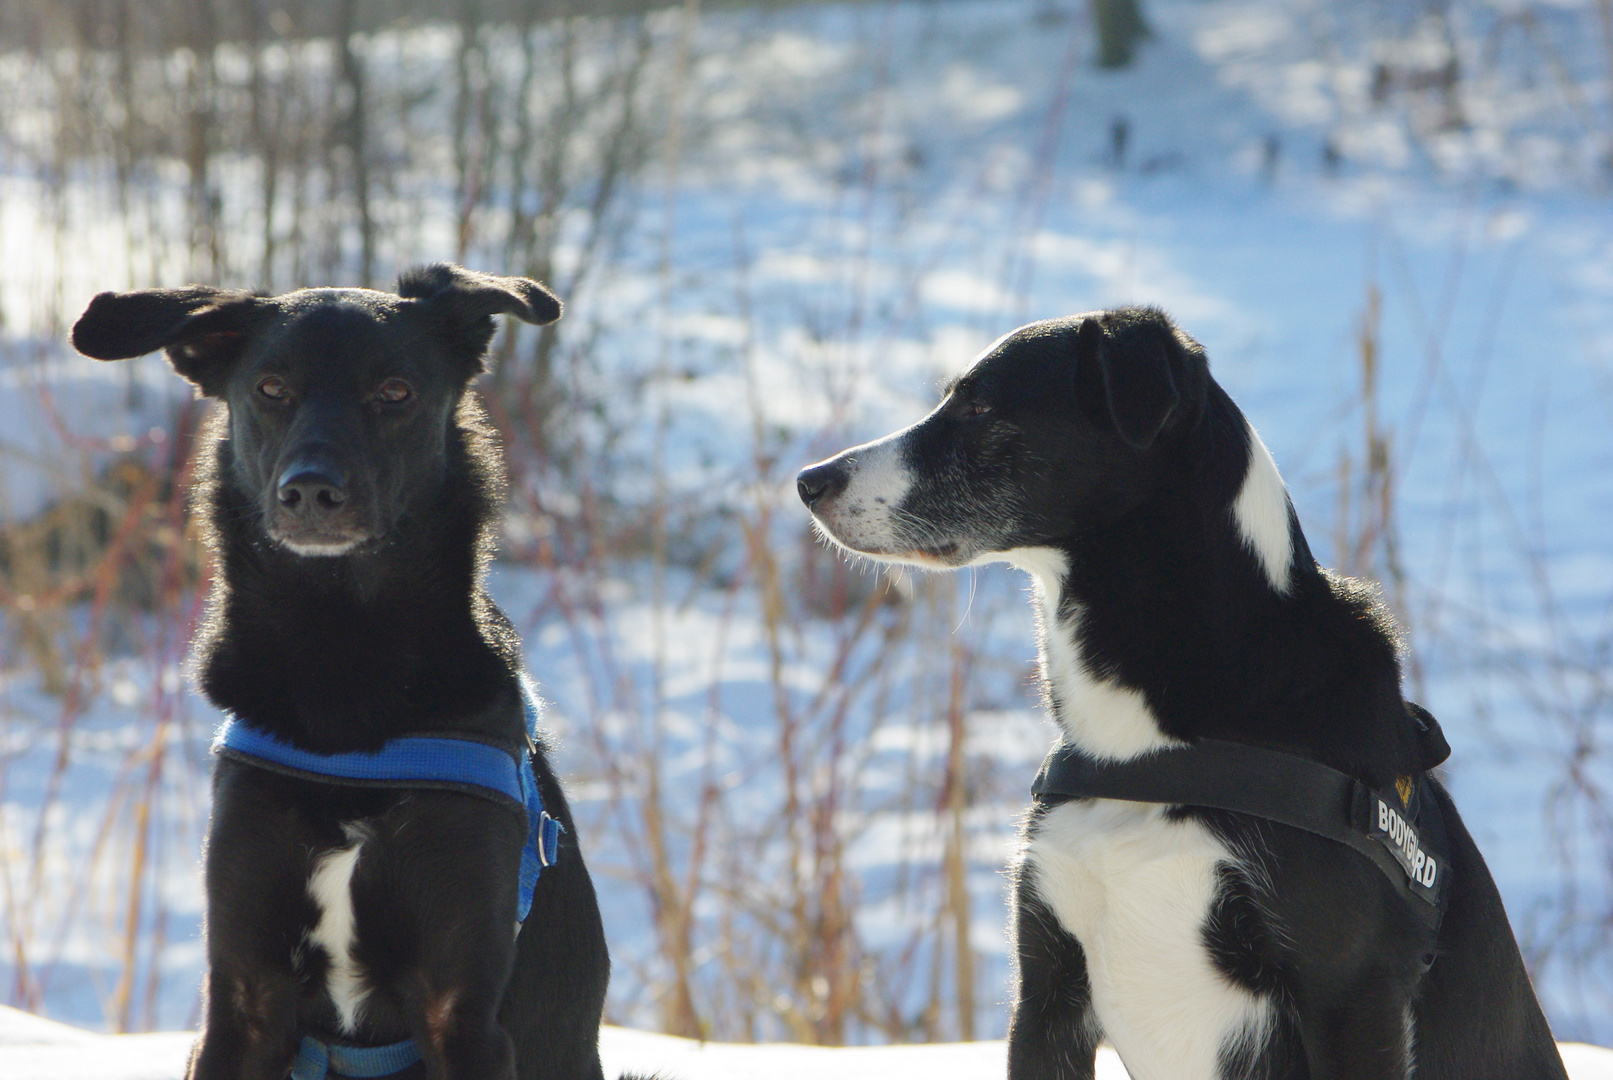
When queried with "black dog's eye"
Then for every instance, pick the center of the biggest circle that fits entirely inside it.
(394, 392)
(274, 388)
(979, 408)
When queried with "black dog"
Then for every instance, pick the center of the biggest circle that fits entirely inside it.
(351, 497)
(1179, 605)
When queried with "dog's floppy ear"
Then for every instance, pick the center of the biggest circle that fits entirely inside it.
(463, 302)
(1138, 384)
(467, 294)
(1430, 739)
(202, 328)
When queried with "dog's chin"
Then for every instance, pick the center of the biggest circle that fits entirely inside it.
(949, 556)
(945, 557)
(320, 545)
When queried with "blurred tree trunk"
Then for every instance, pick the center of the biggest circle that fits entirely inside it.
(1120, 26)
(206, 253)
(352, 134)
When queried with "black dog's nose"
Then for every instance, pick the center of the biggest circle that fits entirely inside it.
(311, 490)
(825, 478)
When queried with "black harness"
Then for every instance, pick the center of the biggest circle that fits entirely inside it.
(1401, 831)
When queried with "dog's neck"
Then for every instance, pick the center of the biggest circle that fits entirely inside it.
(1202, 613)
(1103, 716)
(341, 653)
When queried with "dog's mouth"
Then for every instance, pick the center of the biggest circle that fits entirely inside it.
(945, 554)
(887, 545)
(320, 543)
(935, 557)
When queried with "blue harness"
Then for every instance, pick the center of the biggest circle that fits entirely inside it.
(441, 762)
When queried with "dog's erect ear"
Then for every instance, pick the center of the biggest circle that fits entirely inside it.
(1138, 385)
(463, 302)
(202, 328)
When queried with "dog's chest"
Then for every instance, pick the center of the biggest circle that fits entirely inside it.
(330, 887)
(1134, 887)
(1136, 890)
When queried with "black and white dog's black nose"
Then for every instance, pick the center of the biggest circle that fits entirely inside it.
(311, 490)
(825, 478)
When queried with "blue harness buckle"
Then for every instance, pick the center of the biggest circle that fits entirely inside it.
(316, 1060)
(549, 838)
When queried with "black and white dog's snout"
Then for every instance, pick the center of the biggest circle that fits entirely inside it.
(824, 480)
(856, 499)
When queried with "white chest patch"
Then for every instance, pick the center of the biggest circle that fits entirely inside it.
(1135, 889)
(330, 886)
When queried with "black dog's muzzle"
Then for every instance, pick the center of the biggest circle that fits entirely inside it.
(311, 489)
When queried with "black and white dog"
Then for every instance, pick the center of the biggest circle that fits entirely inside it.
(1178, 601)
(351, 496)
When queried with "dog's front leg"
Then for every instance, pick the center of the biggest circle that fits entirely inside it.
(1053, 1033)
(445, 948)
(1365, 1035)
(452, 1002)
(257, 914)
(460, 1038)
(250, 1031)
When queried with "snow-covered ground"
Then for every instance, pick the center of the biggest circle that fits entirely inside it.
(35, 1049)
(869, 194)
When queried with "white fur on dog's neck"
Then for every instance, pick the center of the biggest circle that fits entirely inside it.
(1102, 717)
(1097, 713)
(1261, 514)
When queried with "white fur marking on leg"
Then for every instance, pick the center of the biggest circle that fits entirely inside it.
(1409, 1024)
(330, 887)
(1102, 717)
(1261, 512)
(1135, 889)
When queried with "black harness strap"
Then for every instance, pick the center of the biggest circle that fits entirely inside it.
(1402, 832)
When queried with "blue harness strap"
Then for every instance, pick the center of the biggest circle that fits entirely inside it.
(422, 761)
(316, 1059)
(444, 762)
(439, 762)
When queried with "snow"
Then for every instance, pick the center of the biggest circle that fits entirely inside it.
(992, 200)
(35, 1049)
